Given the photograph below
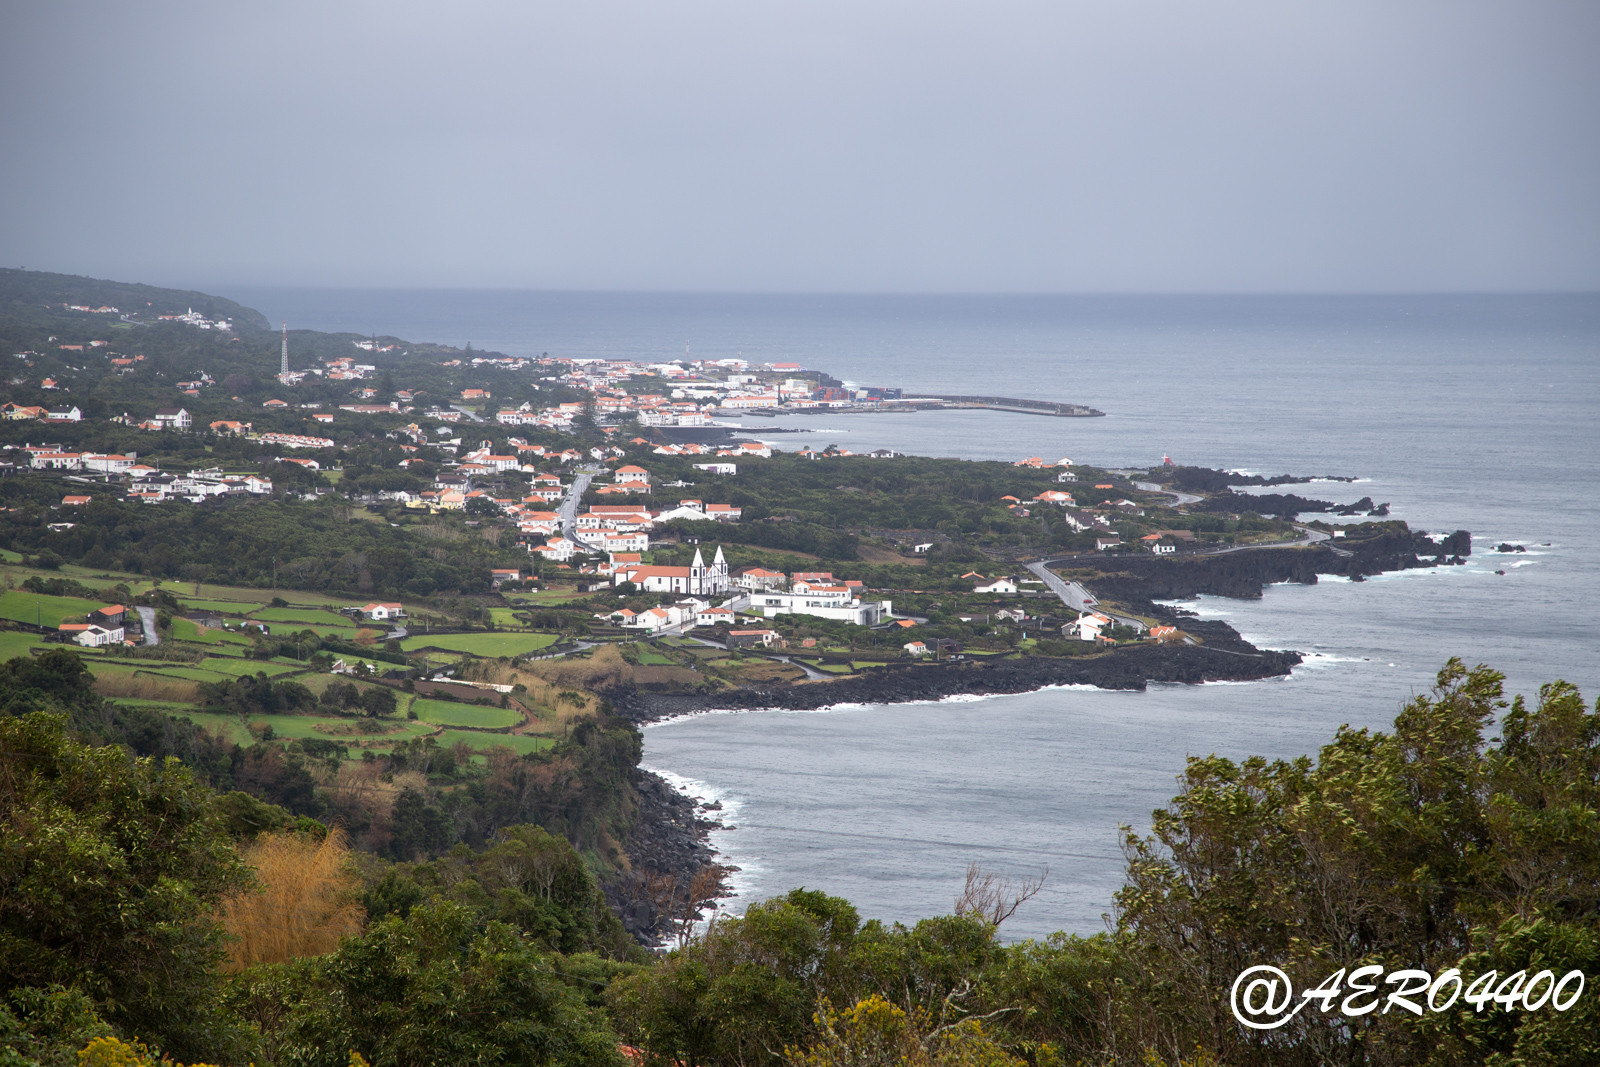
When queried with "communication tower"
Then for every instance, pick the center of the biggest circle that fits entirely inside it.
(283, 363)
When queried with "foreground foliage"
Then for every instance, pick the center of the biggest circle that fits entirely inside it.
(1432, 846)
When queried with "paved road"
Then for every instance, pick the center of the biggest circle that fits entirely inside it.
(569, 505)
(811, 672)
(468, 412)
(1179, 499)
(1072, 594)
(149, 617)
(1078, 598)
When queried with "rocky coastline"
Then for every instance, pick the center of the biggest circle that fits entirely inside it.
(1223, 657)
(669, 846)
(672, 831)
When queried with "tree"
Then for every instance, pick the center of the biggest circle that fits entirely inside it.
(427, 989)
(109, 870)
(1427, 847)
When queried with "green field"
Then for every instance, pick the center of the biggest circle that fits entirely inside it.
(224, 726)
(305, 615)
(184, 630)
(445, 713)
(193, 674)
(485, 644)
(522, 744)
(649, 657)
(295, 727)
(24, 606)
(546, 597)
(226, 607)
(506, 619)
(239, 667)
(13, 643)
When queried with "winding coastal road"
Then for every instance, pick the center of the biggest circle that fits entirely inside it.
(1078, 598)
(1179, 499)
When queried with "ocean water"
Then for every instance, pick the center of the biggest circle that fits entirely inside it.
(1475, 412)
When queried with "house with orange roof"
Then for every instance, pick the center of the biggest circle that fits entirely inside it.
(632, 474)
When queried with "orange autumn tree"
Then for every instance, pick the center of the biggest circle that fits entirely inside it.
(305, 902)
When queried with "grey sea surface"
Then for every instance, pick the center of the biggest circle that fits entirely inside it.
(1475, 412)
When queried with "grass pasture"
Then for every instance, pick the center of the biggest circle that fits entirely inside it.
(446, 713)
(309, 616)
(241, 667)
(487, 645)
(185, 630)
(521, 744)
(14, 643)
(506, 619)
(23, 606)
(223, 607)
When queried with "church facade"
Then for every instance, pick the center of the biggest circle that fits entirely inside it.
(697, 579)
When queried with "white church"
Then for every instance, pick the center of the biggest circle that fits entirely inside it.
(697, 579)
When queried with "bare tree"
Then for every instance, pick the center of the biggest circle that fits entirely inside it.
(994, 897)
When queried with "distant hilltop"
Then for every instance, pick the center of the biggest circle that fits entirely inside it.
(130, 300)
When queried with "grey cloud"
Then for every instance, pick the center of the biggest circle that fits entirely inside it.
(826, 146)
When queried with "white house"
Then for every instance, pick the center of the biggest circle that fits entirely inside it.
(109, 464)
(717, 468)
(759, 578)
(556, 549)
(999, 585)
(1089, 625)
(382, 612)
(173, 419)
(632, 475)
(89, 635)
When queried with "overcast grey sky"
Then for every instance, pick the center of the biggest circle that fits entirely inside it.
(1145, 145)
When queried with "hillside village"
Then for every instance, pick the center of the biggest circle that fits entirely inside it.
(578, 502)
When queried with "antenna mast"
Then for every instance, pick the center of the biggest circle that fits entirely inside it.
(283, 366)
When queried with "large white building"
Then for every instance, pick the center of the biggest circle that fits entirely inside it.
(823, 601)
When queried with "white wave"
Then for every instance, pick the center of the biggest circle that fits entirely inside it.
(856, 705)
(722, 839)
(696, 790)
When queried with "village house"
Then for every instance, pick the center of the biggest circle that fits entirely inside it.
(758, 579)
(379, 611)
(173, 419)
(632, 474)
(556, 549)
(89, 635)
(998, 585)
(752, 638)
(1088, 626)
